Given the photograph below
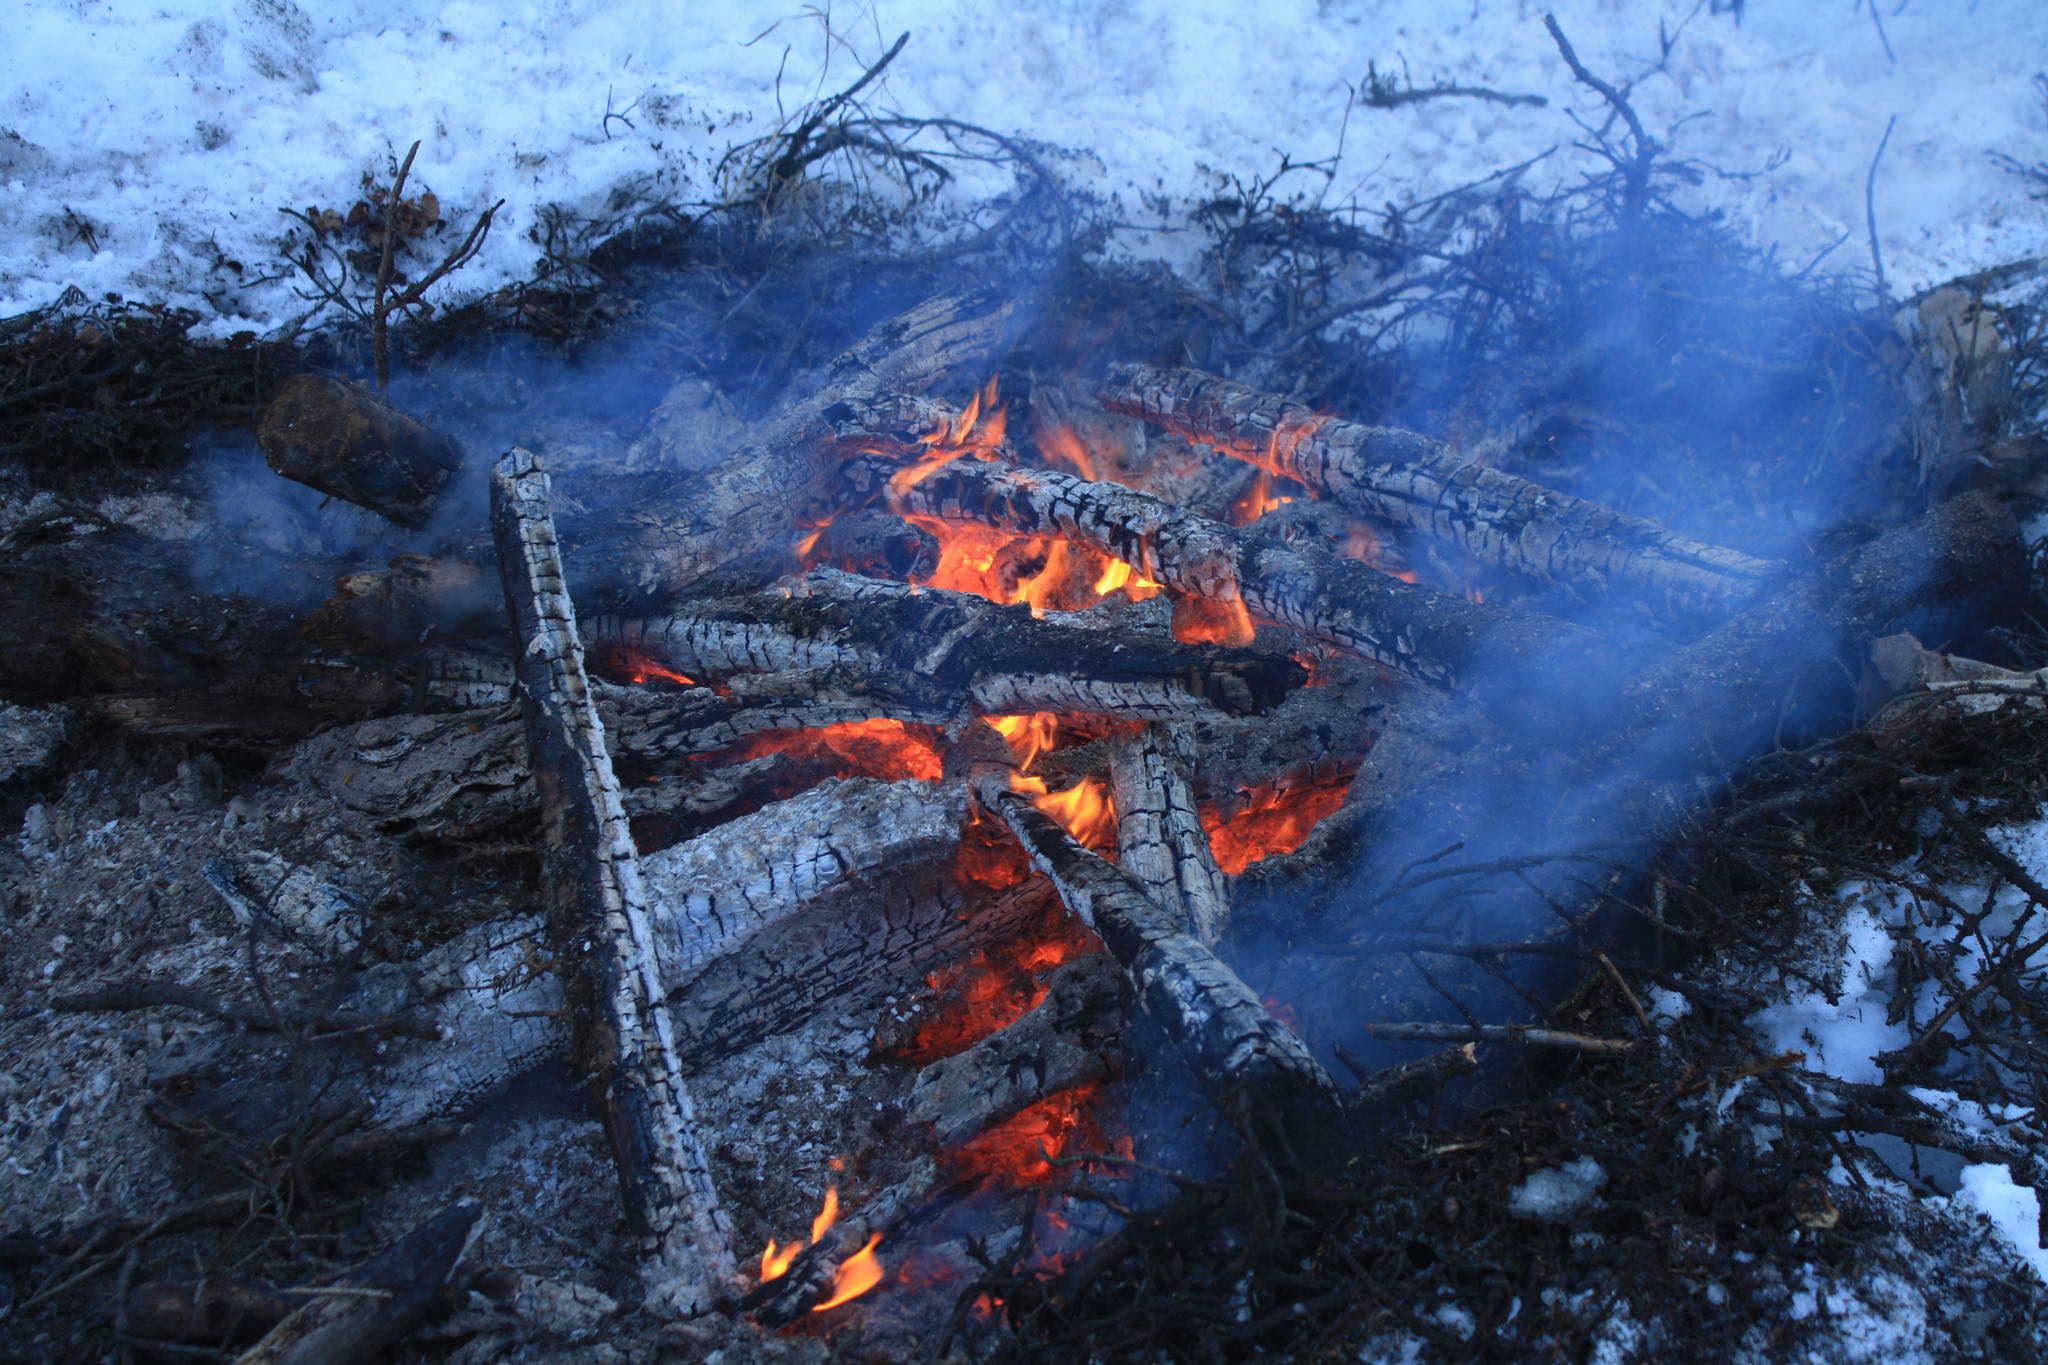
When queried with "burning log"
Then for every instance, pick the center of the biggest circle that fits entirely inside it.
(1531, 669)
(1212, 1016)
(375, 1305)
(1160, 840)
(592, 887)
(665, 531)
(345, 442)
(869, 648)
(1420, 483)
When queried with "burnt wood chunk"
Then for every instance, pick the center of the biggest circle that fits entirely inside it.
(592, 891)
(349, 444)
(1529, 669)
(1422, 484)
(1212, 1016)
(1160, 840)
(929, 654)
(376, 1305)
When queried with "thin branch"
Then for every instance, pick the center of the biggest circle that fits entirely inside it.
(380, 342)
(1870, 200)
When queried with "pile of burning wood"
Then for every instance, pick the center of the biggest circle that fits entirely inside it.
(979, 739)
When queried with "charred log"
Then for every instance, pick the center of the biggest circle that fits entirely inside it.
(1212, 1016)
(346, 443)
(1531, 669)
(1160, 840)
(593, 887)
(1419, 483)
(924, 654)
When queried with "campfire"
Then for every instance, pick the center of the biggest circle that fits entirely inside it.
(955, 820)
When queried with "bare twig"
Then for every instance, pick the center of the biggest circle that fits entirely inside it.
(1500, 1033)
(1636, 169)
(1870, 199)
(380, 343)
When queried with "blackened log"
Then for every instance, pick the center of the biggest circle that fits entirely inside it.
(347, 443)
(1420, 483)
(376, 1305)
(1212, 1016)
(1160, 841)
(1530, 669)
(946, 653)
(592, 889)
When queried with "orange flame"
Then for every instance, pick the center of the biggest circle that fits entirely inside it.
(1085, 810)
(1208, 621)
(1277, 819)
(988, 992)
(633, 664)
(1029, 735)
(857, 1274)
(1258, 500)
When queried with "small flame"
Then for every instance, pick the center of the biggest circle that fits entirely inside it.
(1258, 500)
(1208, 621)
(827, 1216)
(1029, 735)
(1085, 810)
(857, 1274)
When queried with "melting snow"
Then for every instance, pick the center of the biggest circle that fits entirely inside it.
(1557, 1194)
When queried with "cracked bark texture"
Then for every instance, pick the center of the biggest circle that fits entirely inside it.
(1532, 670)
(592, 891)
(1160, 840)
(1420, 483)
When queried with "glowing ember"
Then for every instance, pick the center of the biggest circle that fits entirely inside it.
(1029, 1146)
(991, 990)
(857, 1274)
(1277, 819)
(628, 664)
(887, 749)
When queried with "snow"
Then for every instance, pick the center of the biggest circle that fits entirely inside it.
(1557, 1194)
(155, 167)
(1843, 1028)
(2014, 1211)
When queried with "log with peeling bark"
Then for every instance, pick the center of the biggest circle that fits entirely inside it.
(1419, 483)
(376, 1305)
(945, 655)
(1530, 669)
(647, 537)
(350, 445)
(1212, 1016)
(593, 892)
(1160, 841)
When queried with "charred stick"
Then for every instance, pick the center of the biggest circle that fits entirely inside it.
(1212, 1016)
(375, 1305)
(1160, 839)
(351, 445)
(592, 889)
(142, 995)
(1518, 665)
(1500, 1033)
(1420, 483)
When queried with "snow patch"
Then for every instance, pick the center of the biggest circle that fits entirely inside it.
(1556, 1195)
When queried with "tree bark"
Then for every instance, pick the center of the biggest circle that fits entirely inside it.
(1419, 483)
(348, 444)
(592, 886)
